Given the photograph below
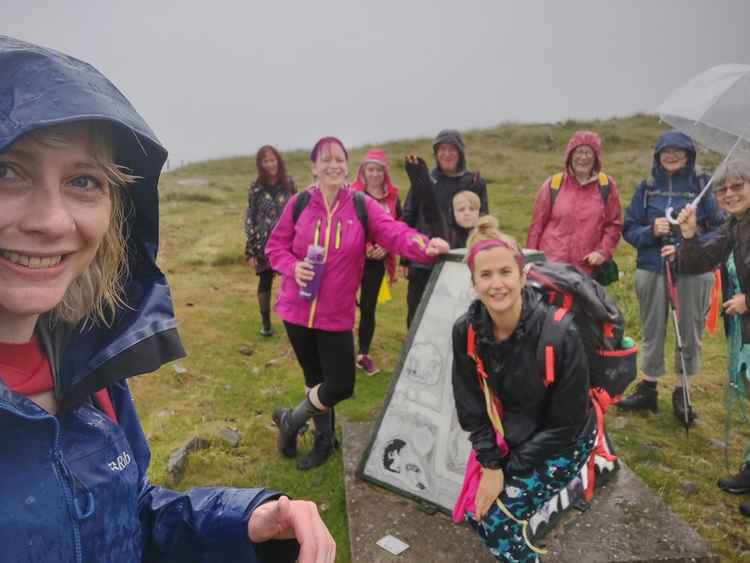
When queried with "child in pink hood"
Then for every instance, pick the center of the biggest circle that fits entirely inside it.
(320, 330)
(580, 220)
(374, 180)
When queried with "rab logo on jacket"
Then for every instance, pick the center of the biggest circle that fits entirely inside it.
(119, 464)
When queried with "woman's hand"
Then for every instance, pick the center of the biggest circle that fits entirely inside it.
(293, 519)
(687, 221)
(303, 273)
(437, 246)
(490, 487)
(404, 272)
(668, 251)
(376, 252)
(594, 258)
(661, 227)
(252, 262)
(737, 305)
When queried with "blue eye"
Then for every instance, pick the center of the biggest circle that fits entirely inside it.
(86, 183)
(6, 172)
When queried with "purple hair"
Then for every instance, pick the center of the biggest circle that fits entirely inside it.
(322, 143)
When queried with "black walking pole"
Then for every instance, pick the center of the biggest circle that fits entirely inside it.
(675, 306)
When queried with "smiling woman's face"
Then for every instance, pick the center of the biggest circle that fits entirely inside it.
(56, 210)
(733, 195)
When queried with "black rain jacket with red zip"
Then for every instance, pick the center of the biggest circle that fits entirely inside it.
(538, 420)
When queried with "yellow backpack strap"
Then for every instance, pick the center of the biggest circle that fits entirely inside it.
(603, 179)
(556, 181)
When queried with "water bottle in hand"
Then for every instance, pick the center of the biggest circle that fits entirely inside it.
(315, 257)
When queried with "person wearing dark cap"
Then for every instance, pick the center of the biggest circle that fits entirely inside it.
(430, 215)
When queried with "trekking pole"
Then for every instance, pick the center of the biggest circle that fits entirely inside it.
(674, 302)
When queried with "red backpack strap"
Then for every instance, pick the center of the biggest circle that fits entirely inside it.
(553, 329)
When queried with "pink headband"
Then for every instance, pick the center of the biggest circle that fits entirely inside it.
(492, 243)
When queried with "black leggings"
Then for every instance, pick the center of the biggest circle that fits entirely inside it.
(418, 278)
(368, 301)
(265, 281)
(326, 358)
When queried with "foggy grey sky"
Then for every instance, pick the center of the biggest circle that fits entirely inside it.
(222, 78)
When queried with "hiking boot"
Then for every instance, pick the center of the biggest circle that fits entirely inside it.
(325, 442)
(287, 439)
(643, 398)
(264, 300)
(365, 363)
(745, 508)
(738, 483)
(678, 406)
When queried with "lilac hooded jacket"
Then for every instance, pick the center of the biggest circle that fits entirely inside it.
(343, 237)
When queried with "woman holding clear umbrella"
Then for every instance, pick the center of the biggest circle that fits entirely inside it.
(729, 248)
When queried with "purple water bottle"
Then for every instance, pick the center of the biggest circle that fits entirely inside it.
(315, 257)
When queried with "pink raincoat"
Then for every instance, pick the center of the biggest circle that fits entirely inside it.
(579, 222)
(389, 201)
(340, 232)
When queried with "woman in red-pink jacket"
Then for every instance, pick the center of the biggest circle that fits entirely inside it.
(577, 218)
(374, 180)
(320, 328)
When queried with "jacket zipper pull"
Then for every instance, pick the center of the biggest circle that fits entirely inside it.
(318, 227)
(338, 234)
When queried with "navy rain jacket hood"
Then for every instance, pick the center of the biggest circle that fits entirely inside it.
(75, 485)
(654, 195)
(41, 87)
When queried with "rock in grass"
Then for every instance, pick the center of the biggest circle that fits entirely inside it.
(179, 458)
(231, 437)
(245, 350)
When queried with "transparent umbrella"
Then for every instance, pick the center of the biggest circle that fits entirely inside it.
(714, 109)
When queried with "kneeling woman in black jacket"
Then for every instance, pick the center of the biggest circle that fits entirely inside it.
(531, 430)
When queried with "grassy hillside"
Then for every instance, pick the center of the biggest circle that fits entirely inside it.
(214, 293)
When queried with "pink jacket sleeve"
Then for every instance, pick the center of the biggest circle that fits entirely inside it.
(396, 236)
(612, 230)
(279, 245)
(539, 216)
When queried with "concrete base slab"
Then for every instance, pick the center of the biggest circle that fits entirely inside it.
(626, 522)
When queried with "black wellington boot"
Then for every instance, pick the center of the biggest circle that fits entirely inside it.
(745, 508)
(325, 441)
(264, 301)
(291, 423)
(737, 483)
(643, 398)
(678, 406)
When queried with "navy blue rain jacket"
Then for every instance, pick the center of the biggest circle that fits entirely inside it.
(74, 486)
(653, 196)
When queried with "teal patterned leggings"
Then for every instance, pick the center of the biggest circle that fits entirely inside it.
(524, 495)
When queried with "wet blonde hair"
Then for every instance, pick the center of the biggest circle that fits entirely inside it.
(487, 230)
(468, 197)
(97, 293)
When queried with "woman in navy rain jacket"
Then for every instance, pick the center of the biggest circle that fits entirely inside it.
(674, 182)
(81, 310)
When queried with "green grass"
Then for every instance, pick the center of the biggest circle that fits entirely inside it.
(214, 292)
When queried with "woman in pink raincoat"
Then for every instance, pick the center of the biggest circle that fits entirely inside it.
(320, 325)
(374, 180)
(577, 216)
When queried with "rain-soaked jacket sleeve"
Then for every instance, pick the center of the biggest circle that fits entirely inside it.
(612, 230)
(470, 406)
(396, 236)
(702, 254)
(638, 229)
(539, 216)
(205, 524)
(568, 407)
(279, 245)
